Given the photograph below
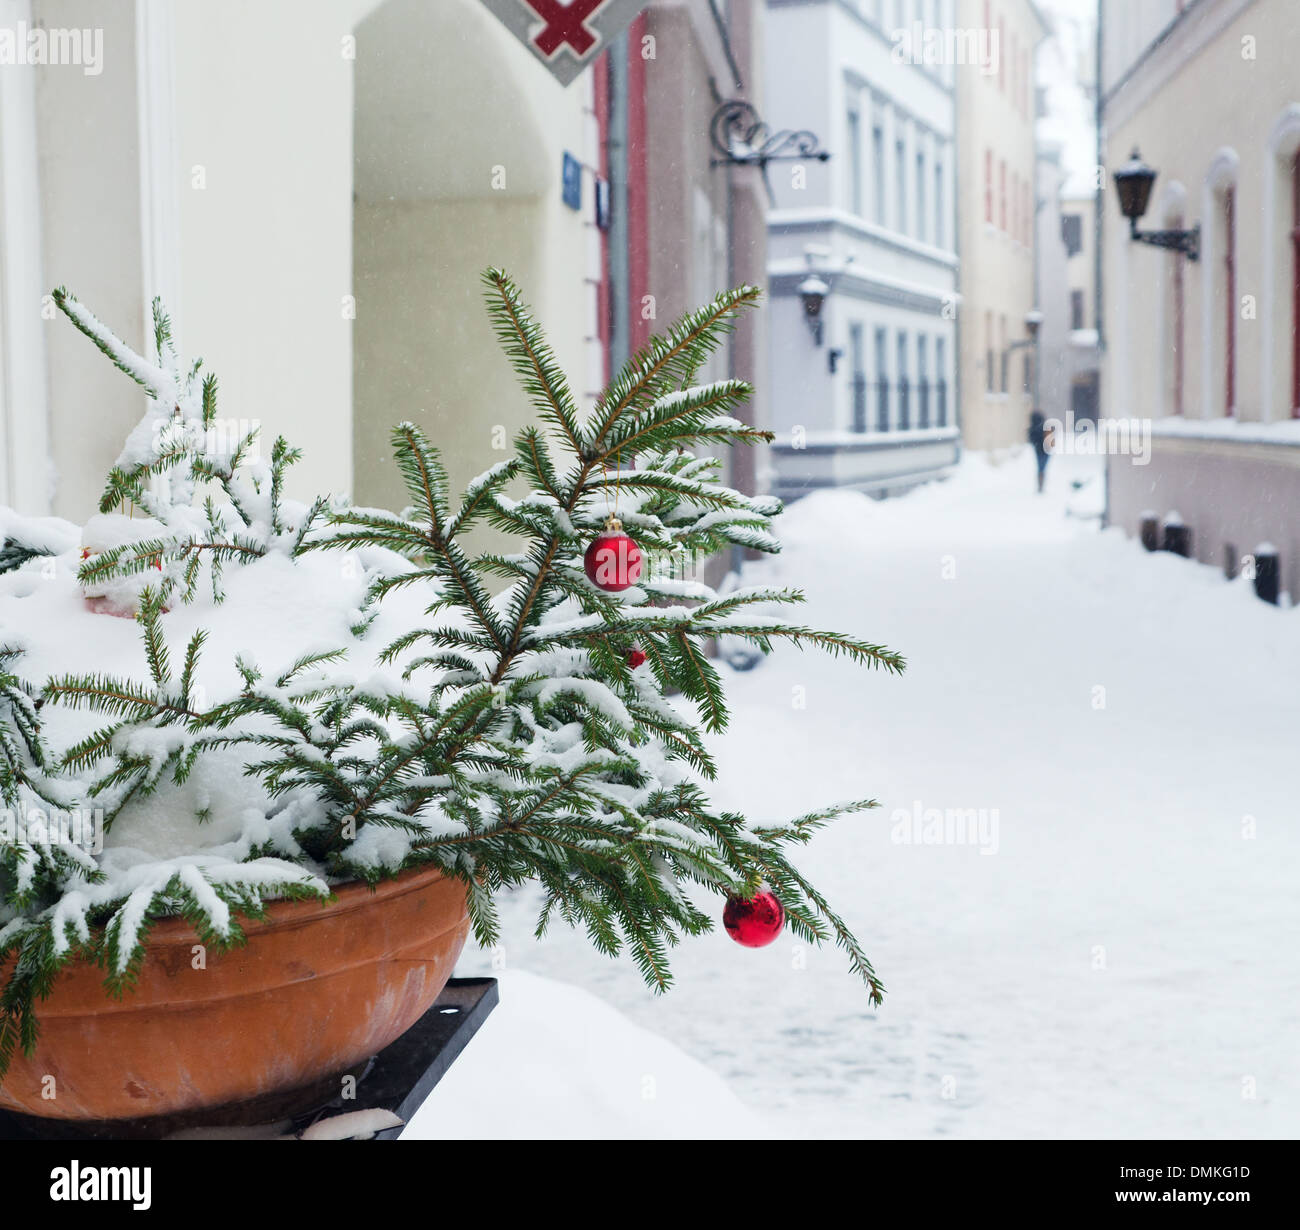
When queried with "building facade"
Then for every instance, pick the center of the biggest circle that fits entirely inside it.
(996, 108)
(313, 187)
(686, 223)
(1209, 349)
(1068, 385)
(863, 396)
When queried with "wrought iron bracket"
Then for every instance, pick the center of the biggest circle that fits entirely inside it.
(1186, 242)
(741, 138)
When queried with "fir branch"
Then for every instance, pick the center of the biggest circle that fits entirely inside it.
(531, 356)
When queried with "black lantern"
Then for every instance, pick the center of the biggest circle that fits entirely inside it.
(1133, 183)
(812, 293)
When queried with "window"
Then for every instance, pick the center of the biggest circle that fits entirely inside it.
(922, 229)
(1072, 233)
(1026, 83)
(941, 382)
(940, 235)
(1002, 57)
(988, 185)
(1230, 299)
(1015, 206)
(878, 170)
(858, 357)
(853, 137)
(1076, 309)
(1002, 193)
(904, 386)
(900, 171)
(1013, 64)
(1027, 214)
(1003, 352)
(922, 381)
(882, 381)
(988, 352)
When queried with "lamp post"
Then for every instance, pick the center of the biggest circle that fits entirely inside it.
(1133, 183)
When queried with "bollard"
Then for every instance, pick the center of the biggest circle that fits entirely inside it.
(1231, 565)
(1178, 537)
(1149, 531)
(1268, 572)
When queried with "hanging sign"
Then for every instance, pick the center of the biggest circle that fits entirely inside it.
(566, 35)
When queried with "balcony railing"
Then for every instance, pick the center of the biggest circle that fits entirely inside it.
(931, 403)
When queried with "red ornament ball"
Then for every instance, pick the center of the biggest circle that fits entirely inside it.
(754, 923)
(613, 561)
(635, 658)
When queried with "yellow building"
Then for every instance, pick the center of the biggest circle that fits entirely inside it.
(996, 178)
(1203, 346)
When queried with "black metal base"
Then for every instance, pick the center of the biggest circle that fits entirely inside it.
(397, 1080)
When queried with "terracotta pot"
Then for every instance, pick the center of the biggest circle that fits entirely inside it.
(316, 991)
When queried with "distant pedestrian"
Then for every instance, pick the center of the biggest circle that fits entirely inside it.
(1040, 436)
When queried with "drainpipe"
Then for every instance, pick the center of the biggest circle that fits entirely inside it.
(620, 346)
(1099, 210)
(959, 319)
(1099, 232)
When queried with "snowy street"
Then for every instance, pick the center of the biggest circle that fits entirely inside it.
(1113, 954)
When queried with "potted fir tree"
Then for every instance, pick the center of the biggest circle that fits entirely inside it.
(331, 734)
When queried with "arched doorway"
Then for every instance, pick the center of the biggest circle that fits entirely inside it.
(452, 173)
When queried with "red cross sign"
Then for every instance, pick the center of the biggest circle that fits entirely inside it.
(565, 23)
(565, 35)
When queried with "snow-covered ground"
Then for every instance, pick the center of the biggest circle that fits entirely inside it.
(1116, 957)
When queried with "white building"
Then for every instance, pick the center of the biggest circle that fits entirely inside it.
(866, 399)
(313, 187)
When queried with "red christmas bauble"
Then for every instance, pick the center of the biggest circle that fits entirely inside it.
(754, 923)
(635, 658)
(613, 561)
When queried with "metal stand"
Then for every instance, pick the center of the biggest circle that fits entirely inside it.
(396, 1080)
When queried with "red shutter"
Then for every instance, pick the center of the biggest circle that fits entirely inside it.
(1295, 288)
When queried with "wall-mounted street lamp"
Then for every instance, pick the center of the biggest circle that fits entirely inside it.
(1033, 322)
(812, 294)
(1133, 182)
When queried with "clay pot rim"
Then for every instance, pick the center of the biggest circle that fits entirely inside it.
(288, 915)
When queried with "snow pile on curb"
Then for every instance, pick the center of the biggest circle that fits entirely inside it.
(554, 1062)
